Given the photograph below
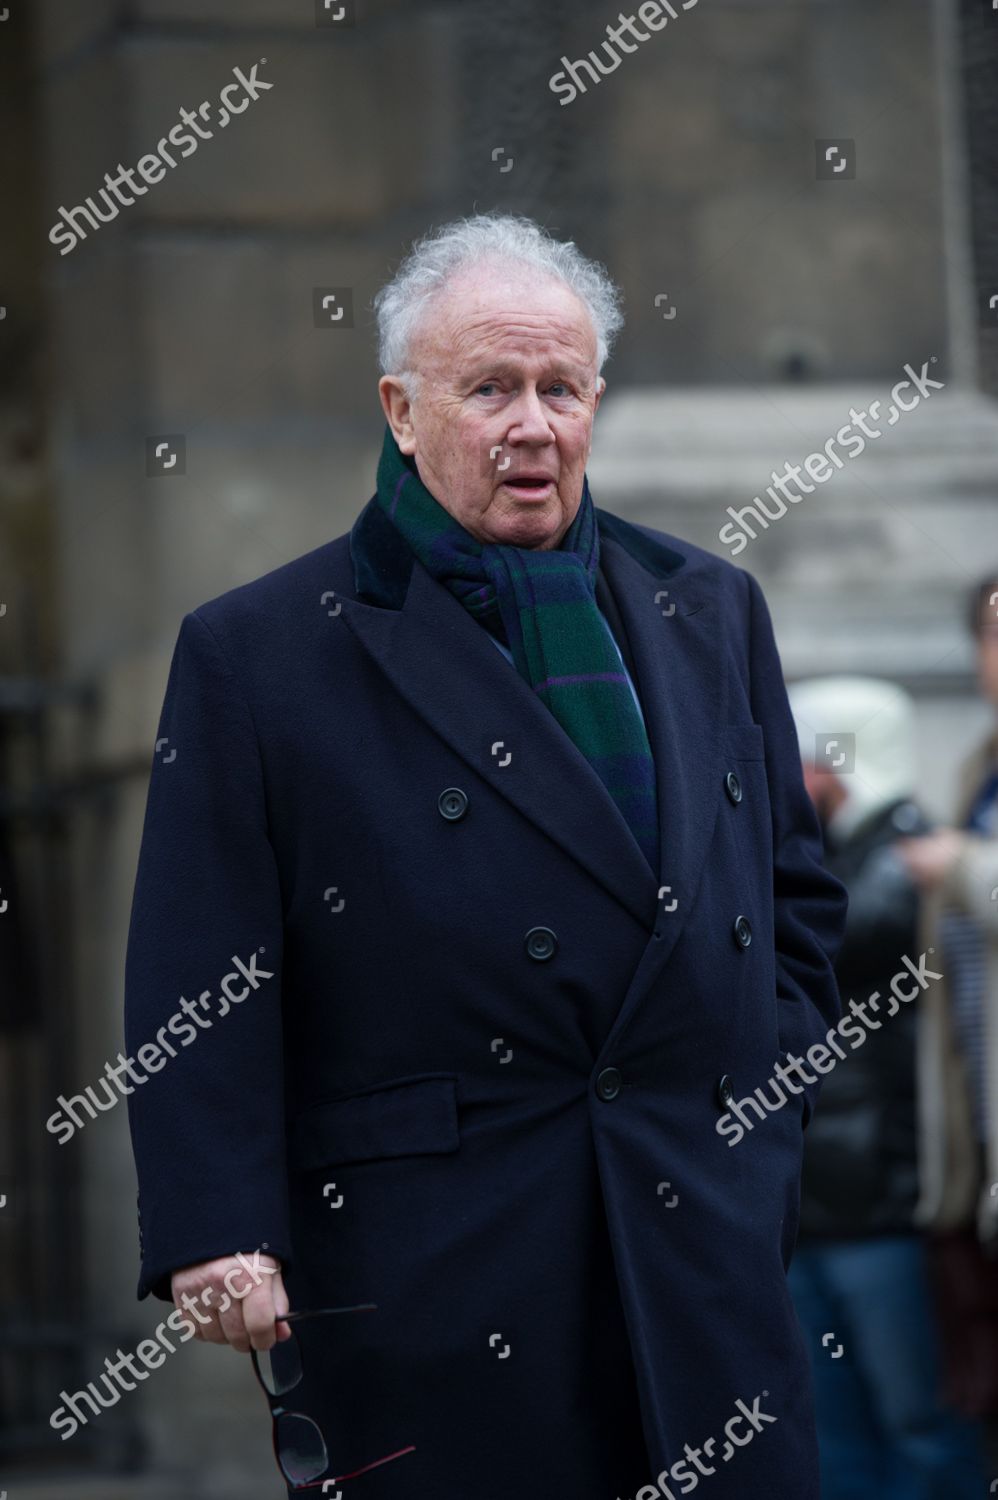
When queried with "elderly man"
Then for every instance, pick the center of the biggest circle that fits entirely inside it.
(486, 852)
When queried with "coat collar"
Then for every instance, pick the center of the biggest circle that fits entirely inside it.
(440, 660)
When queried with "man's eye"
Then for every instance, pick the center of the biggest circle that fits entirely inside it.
(558, 385)
(487, 386)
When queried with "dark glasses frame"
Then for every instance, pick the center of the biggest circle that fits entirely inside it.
(278, 1410)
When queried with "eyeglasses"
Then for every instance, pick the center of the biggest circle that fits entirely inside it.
(299, 1447)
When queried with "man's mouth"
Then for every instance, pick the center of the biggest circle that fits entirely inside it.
(532, 485)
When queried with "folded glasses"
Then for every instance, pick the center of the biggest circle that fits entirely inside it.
(299, 1447)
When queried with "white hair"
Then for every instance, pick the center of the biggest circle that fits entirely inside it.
(439, 255)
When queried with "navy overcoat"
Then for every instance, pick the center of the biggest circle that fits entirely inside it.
(459, 1052)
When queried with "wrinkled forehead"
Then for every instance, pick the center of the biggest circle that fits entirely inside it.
(505, 311)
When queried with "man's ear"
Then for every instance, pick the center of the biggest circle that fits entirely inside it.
(600, 388)
(398, 410)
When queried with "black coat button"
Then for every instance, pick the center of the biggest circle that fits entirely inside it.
(725, 1089)
(733, 787)
(541, 942)
(743, 932)
(608, 1083)
(453, 803)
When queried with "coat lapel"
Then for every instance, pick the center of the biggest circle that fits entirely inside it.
(444, 664)
(669, 609)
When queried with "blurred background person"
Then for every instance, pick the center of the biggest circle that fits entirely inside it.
(860, 1276)
(957, 869)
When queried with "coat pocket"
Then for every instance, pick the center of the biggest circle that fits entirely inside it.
(745, 741)
(405, 1117)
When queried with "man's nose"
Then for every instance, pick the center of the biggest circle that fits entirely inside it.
(529, 422)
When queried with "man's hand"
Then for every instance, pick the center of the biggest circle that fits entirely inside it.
(236, 1300)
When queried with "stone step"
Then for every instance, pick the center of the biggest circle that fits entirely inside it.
(869, 570)
(699, 443)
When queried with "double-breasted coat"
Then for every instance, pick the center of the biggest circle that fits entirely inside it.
(474, 1051)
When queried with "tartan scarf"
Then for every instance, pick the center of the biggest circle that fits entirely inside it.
(542, 605)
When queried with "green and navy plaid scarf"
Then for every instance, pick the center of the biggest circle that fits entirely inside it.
(542, 603)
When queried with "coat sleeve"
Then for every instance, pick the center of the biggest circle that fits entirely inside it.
(809, 904)
(203, 983)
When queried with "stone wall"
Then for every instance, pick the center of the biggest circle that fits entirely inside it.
(191, 320)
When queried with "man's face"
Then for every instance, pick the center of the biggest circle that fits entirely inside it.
(501, 426)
